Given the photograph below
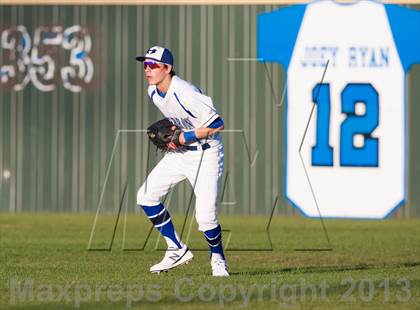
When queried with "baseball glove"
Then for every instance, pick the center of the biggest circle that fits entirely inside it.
(165, 135)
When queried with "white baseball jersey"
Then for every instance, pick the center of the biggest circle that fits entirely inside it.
(355, 145)
(188, 108)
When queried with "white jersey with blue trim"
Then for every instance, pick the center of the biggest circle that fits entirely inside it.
(186, 106)
(355, 144)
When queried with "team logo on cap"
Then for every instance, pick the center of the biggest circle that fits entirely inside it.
(151, 51)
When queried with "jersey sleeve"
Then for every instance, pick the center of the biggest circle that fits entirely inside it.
(151, 91)
(218, 122)
(202, 107)
(405, 27)
(277, 33)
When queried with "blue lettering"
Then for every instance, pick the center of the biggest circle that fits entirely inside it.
(385, 56)
(183, 123)
(314, 56)
(363, 51)
(317, 56)
(322, 54)
(334, 51)
(373, 59)
(352, 57)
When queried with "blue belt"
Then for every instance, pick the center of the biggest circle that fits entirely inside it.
(204, 146)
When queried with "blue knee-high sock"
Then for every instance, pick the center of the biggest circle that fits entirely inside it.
(160, 217)
(214, 239)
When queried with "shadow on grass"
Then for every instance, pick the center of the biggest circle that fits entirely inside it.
(325, 269)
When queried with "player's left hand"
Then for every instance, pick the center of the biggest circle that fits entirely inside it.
(165, 135)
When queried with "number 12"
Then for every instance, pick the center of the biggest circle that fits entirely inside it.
(350, 155)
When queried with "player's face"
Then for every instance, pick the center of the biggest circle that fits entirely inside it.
(155, 72)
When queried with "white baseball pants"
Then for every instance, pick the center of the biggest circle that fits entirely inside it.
(203, 169)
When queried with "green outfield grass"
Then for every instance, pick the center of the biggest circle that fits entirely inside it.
(373, 264)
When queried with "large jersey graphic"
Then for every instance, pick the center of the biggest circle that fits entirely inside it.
(355, 148)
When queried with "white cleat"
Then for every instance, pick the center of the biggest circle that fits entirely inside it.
(173, 257)
(219, 266)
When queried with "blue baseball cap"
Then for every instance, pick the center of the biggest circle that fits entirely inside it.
(158, 53)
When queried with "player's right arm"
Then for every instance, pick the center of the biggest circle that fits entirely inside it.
(202, 132)
(216, 126)
(202, 108)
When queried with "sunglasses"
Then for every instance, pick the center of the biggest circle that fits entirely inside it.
(151, 64)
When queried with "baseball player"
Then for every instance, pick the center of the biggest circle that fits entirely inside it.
(201, 161)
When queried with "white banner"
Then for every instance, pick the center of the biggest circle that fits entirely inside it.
(354, 148)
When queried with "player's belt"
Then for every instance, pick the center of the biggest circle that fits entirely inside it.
(203, 147)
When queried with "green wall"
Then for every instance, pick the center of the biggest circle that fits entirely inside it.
(57, 145)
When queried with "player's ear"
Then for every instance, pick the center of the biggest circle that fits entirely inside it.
(168, 69)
